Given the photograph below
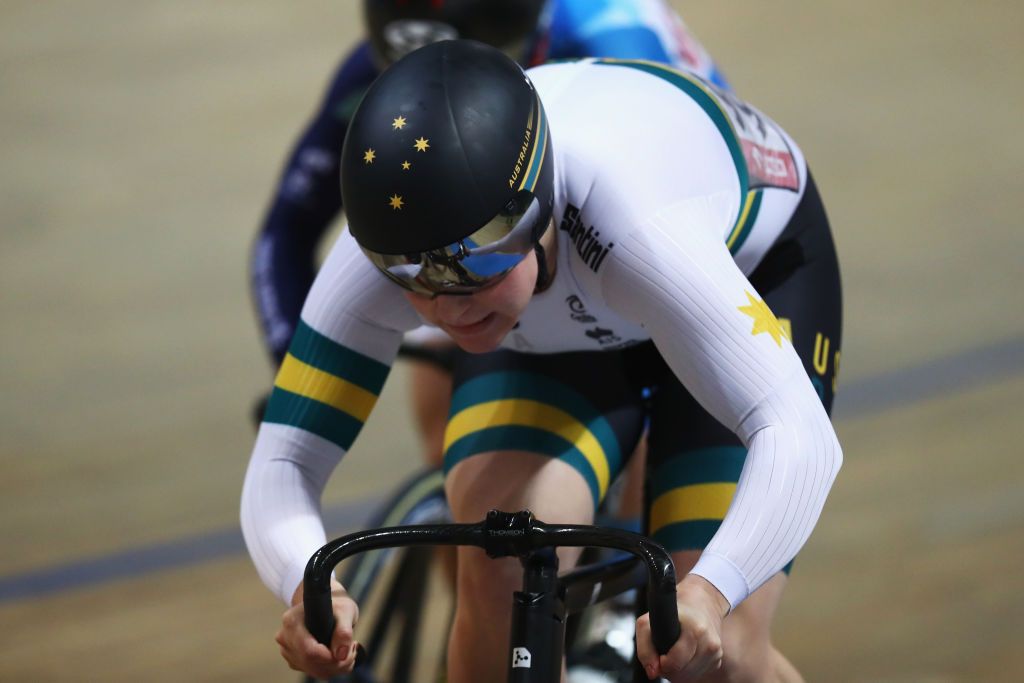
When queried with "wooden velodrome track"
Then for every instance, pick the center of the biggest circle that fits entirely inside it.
(139, 144)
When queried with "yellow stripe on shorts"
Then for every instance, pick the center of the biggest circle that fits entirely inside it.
(689, 503)
(525, 413)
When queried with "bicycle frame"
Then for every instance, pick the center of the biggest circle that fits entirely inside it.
(540, 608)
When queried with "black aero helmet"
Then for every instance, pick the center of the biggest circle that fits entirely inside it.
(397, 27)
(446, 171)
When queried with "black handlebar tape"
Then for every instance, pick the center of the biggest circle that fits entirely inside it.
(665, 629)
(319, 613)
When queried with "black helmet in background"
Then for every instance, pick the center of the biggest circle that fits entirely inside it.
(446, 171)
(397, 27)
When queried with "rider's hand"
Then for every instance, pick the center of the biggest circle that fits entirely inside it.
(302, 651)
(699, 648)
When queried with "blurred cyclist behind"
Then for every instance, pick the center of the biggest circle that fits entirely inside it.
(307, 199)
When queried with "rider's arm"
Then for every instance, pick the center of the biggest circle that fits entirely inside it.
(667, 196)
(306, 201)
(349, 334)
(677, 278)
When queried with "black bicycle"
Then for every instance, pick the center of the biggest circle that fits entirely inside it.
(540, 610)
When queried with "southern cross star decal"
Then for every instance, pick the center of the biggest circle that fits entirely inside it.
(421, 144)
(764, 319)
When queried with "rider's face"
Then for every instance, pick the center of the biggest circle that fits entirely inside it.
(479, 321)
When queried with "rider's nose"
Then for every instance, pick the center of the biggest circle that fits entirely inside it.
(451, 308)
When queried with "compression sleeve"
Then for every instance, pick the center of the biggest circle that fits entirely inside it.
(676, 277)
(306, 201)
(336, 365)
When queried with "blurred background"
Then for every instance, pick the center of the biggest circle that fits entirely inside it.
(139, 144)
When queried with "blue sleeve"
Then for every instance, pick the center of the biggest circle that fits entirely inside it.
(306, 202)
(634, 42)
(597, 28)
(571, 29)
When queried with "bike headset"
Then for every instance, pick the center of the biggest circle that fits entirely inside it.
(446, 170)
(398, 27)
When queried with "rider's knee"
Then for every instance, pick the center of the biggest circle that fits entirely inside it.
(743, 667)
(747, 651)
(487, 583)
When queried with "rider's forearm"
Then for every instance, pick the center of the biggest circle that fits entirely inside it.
(280, 511)
(793, 458)
(324, 392)
(694, 304)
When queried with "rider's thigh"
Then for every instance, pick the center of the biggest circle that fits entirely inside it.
(518, 480)
(430, 388)
(545, 433)
(550, 488)
(746, 633)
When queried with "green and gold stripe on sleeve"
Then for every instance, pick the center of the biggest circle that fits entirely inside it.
(325, 388)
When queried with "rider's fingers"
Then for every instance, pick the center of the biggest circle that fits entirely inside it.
(349, 660)
(645, 651)
(679, 657)
(304, 653)
(312, 658)
(696, 653)
(343, 643)
(345, 610)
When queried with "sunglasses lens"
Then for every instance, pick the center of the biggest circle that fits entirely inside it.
(473, 263)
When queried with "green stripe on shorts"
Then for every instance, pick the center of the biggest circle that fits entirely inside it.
(530, 386)
(520, 438)
(701, 466)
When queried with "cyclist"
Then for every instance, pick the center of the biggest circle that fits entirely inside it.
(640, 228)
(307, 199)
